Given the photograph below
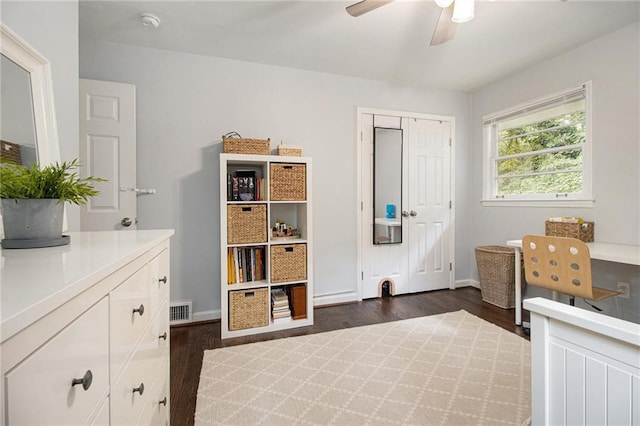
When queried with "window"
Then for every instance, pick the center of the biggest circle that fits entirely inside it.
(540, 152)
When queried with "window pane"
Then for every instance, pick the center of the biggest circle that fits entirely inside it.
(564, 130)
(559, 183)
(570, 160)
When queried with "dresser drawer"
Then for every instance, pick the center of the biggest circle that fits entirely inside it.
(127, 400)
(40, 389)
(159, 279)
(129, 316)
(156, 408)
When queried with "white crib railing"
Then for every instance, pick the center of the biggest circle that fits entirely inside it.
(585, 367)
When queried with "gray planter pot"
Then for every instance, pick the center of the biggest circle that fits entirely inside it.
(27, 219)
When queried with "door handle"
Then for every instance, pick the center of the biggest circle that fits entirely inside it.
(413, 213)
(126, 222)
(405, 213)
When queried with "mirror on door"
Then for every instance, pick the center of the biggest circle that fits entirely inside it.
(387, 185)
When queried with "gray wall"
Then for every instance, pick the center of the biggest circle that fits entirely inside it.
(52, 29)
(612, 63)
(185, 103)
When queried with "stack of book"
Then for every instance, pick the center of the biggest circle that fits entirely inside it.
(280, 311)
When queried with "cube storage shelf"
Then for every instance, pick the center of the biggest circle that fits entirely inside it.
(256, 191)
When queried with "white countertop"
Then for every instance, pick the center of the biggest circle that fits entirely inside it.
(34, 282)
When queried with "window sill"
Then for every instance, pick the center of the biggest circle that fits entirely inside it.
(539, 203)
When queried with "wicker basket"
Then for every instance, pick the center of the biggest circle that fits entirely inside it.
(497, 275)
(288, 182)
(288, 263)
(290, 151)
(248, 308)
(246, 146)
(582, 231)
(246, 223)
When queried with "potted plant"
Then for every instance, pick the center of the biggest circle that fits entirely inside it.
(32, 200)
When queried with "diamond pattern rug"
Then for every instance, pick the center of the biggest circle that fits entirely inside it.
(447, 369)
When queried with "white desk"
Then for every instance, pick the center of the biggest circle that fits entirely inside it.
(619, 253)
(392, 225)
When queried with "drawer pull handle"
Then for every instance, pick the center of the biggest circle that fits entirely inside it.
(85, 381)
(163, 401)
(163, 336)
(139, 389)
(140, 310)
(163, 280)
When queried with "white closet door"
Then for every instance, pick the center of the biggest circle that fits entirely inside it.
(108, 151)
(429, 197)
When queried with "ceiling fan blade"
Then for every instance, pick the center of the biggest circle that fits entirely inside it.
(365, 6)
(445, 28)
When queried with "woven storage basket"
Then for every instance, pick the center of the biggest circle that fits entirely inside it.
(290, 151)
(246, 146)
(246, 223)
(497, 275)
(288, 182)
(288, 263)
(248, 308)
(582, 231)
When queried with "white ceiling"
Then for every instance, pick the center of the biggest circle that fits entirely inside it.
(389, 44)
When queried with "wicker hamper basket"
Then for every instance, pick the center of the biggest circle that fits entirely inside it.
(497, 275)
(288, 182)
(288, 263)
(246, 223)
(582, 231)
(248, 308)
(246, 146)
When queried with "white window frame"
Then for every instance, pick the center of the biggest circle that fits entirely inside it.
(489, 169)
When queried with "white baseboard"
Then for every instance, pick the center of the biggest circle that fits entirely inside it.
(206, 315)
(333, 299)
(466, 283)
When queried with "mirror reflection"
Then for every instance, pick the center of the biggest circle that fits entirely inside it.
(18, 130)
(387, 185)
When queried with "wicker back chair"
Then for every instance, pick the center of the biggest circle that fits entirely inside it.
(561, 264)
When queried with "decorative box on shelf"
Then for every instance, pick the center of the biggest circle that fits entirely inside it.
(248, 308)
(235, 145)
(570, 228)
(288, 182)
(246, 223)
(290, 151)
(288, 263)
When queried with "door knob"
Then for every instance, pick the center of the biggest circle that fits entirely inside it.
(85, 380)
(405, 213)
(126, 222)
(413, 213)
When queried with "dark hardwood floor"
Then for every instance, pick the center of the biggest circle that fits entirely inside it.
(188, 343)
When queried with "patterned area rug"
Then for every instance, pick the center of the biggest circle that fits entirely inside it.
(448, 369)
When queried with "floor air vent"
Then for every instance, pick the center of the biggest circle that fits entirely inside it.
(180, 312)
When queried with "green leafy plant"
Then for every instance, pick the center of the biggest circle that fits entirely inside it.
(58, 181)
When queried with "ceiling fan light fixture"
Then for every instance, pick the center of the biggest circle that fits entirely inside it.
(443, 3)
(463, 11)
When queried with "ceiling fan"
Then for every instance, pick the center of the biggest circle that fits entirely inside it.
(453, 13)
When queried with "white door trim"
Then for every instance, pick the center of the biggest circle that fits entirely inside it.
(359, 183)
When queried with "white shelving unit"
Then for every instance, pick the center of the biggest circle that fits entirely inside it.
(297, 213)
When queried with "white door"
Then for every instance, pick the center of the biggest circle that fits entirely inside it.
(108, 150)
(381, 262)
(429, 205)
(423, 260)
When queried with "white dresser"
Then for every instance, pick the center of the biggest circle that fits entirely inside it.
(85, 331)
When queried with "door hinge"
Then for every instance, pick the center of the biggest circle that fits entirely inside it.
(361, 205)
(450, 142)
(361, 137)
(450, 204)
(450, 266)
(361, 275)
